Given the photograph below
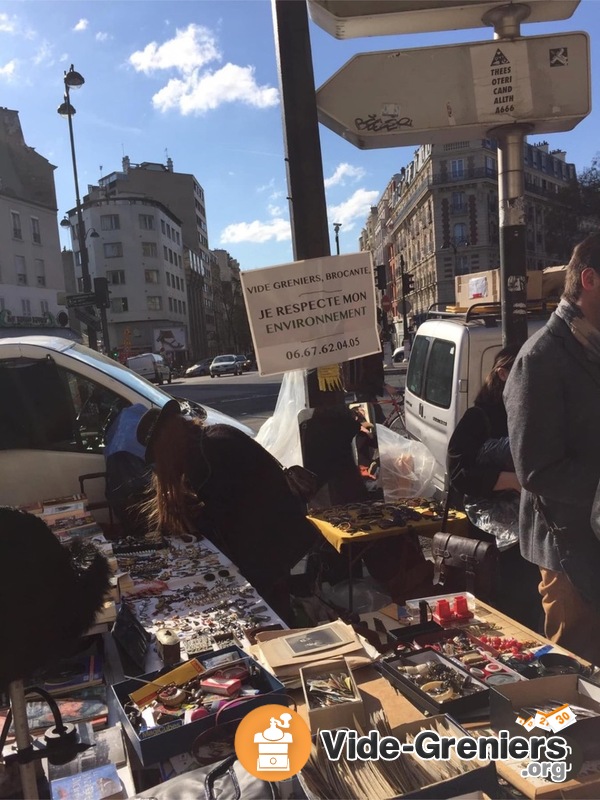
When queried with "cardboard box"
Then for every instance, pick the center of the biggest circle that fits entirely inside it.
(507, 700)
(485, 287)
(553, 281)
(168, 740)
(471, 706)
(339, 715)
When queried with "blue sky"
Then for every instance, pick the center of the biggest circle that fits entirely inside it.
(197, 80)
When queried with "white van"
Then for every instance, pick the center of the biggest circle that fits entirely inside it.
(449, 360)
(151, 366)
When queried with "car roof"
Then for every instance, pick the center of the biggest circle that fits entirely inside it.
(50, 342)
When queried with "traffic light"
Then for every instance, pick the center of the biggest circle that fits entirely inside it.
(102, 292)
(408, 283)
(381, 281)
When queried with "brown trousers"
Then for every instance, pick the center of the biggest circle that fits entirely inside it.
(570, 621)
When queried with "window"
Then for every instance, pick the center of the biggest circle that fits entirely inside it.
(440, 369)
(183, 307)
(113, 250)
(169, 231)
(115, 277)
(20, 270)
(151, 275)
(177, 237)
(149, 249)
(458, 202)
(118, 305)
(460, 233)
(165, 252)
(46, 407)
(457, 168)
(36, 236)
(16, 225)
(170, 304)
(416, 365)
(110, 222)
(490, 166)
(147, 222)
(163, 227)
(462, 265)
(44, 307)
(40, 271)
(170, 256)
(154, 303)
(168, 278)
(26, 308)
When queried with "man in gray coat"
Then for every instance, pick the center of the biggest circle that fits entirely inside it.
(552, 398)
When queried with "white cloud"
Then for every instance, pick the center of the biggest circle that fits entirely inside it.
(342, 171)
(198, 93)
(8, 24)
(187, 51)
(257, 232)
(199, 89)
(8, 70)
(356, 207)
(266, 186)
(81, 25)
(101, 36)
(274, 211)
(44, 55)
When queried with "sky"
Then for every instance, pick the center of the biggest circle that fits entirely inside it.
(196, 80)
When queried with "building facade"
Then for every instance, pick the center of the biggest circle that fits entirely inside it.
(31, 272)
(182, 195)
(136, 244)
(438, 218)
(234, 329)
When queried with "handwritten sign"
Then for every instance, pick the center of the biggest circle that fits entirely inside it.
(312, 313)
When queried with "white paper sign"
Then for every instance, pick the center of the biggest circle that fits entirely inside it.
(561, 718)
(312, 313)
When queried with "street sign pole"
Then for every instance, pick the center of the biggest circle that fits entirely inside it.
(511, 199)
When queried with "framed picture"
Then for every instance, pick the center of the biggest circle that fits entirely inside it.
(312, 641)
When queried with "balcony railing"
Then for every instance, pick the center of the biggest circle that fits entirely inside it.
(465, 175)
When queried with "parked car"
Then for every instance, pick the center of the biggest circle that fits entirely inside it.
(398, 355)
(199, 369)
(221, 365)
(245, 362)
(57, 400)
(151, 366)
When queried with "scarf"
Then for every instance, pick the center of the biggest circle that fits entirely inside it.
(582, 329)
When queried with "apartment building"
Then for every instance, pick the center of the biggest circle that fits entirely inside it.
(31, 272)
(183, 196)
(233, 331)
(136, 244)
(440, 215)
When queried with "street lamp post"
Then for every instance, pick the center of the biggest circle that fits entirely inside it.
(336, 228)
(74, 80)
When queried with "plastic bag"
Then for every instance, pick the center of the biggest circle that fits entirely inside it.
(406, 466)
(280, 434)
(498, 516)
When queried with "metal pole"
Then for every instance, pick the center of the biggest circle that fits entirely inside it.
(19, 710)
(336, 228)
(404, 323)
(104, 323)
(306, 187)
(511, 197)
(83, 251)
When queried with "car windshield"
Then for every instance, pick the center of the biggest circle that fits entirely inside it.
(223, 359)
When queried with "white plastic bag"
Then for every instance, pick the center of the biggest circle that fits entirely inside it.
(280, 434)
(406, 466)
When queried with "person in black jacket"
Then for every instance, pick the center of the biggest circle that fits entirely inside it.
(480, 467)
(218, 481)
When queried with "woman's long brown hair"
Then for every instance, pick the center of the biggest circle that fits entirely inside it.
(176, 442)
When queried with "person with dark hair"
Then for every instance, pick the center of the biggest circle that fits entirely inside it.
(219, 482)
(552, 399)
(480, 469)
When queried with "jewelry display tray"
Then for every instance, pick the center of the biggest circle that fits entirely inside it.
(466, 708)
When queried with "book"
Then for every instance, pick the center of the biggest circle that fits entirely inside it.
(86, 704)
(108, 748)
(60, 505)
(101, 783)
(72, 674)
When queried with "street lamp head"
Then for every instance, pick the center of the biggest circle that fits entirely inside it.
(337, 226)
(73, 79)
(93, 233)
(65, 109)
(65, 223)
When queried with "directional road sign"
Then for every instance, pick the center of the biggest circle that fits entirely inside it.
(459, 92)
(346, 19)
(84, 315)
(83, 299)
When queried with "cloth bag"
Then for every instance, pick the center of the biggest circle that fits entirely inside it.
(226, 780)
